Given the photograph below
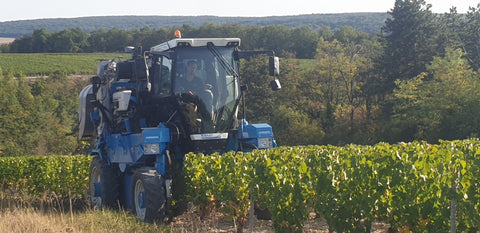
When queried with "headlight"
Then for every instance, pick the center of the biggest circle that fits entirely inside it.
(152, 148)
(264, 143)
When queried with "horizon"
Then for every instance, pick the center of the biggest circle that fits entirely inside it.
(37, 10)
(266, 16)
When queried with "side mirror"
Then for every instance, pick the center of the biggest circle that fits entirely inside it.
(274, 66)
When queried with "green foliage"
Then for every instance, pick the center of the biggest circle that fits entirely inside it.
(323, 100)
(38, 117)
(410, 42)
(222, 178)
(460, 30)
(259, 98)
(281, 183)
(352, 185)
(408, 185)
(440, 104)
(36, 175)
(326, 98)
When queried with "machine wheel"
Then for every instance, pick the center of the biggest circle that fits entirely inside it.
(104, 185)
(149, 196)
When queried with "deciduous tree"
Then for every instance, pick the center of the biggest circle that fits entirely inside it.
(442, 103)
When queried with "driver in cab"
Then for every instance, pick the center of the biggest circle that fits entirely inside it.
(189, 83)
(198, 98)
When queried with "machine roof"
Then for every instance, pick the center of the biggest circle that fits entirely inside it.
(194, 42)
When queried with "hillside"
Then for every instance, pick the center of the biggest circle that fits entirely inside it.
(366, 22)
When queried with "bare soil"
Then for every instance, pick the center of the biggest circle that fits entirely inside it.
(5, 40)
(216, 222)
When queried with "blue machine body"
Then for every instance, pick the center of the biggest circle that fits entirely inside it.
(127, 149)
(144, 116)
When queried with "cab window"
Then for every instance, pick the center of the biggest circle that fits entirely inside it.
(161, 81)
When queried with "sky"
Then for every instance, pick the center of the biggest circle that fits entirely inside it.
(11, 10)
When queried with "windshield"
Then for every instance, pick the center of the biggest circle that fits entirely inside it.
(207, 88)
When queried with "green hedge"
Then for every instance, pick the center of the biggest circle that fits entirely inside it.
(35, 175)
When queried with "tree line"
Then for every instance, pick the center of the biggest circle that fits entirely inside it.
(367, 22)
(416, 80)
(282, 39)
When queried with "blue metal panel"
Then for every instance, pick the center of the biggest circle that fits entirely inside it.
(252, 134)
(130, 148)
(94, 116)
(257, 131)
(127, 126)
(156, 135)
(121, 148)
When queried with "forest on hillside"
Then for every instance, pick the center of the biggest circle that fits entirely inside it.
(367, 22)
(417, 80)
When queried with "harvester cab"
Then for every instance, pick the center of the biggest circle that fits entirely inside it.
(147, 112)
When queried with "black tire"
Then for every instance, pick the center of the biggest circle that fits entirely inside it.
(149, 196)
(104, 185)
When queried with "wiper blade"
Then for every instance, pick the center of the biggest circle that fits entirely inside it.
(223, 61)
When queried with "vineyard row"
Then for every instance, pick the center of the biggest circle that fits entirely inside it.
(415, 186)
(411, 186)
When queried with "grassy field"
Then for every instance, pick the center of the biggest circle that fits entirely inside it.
(21, 213)
(20, 220)
(24, 213)
(43, 64)
(30, 220)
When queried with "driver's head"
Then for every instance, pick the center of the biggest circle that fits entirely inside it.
(191, 69)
